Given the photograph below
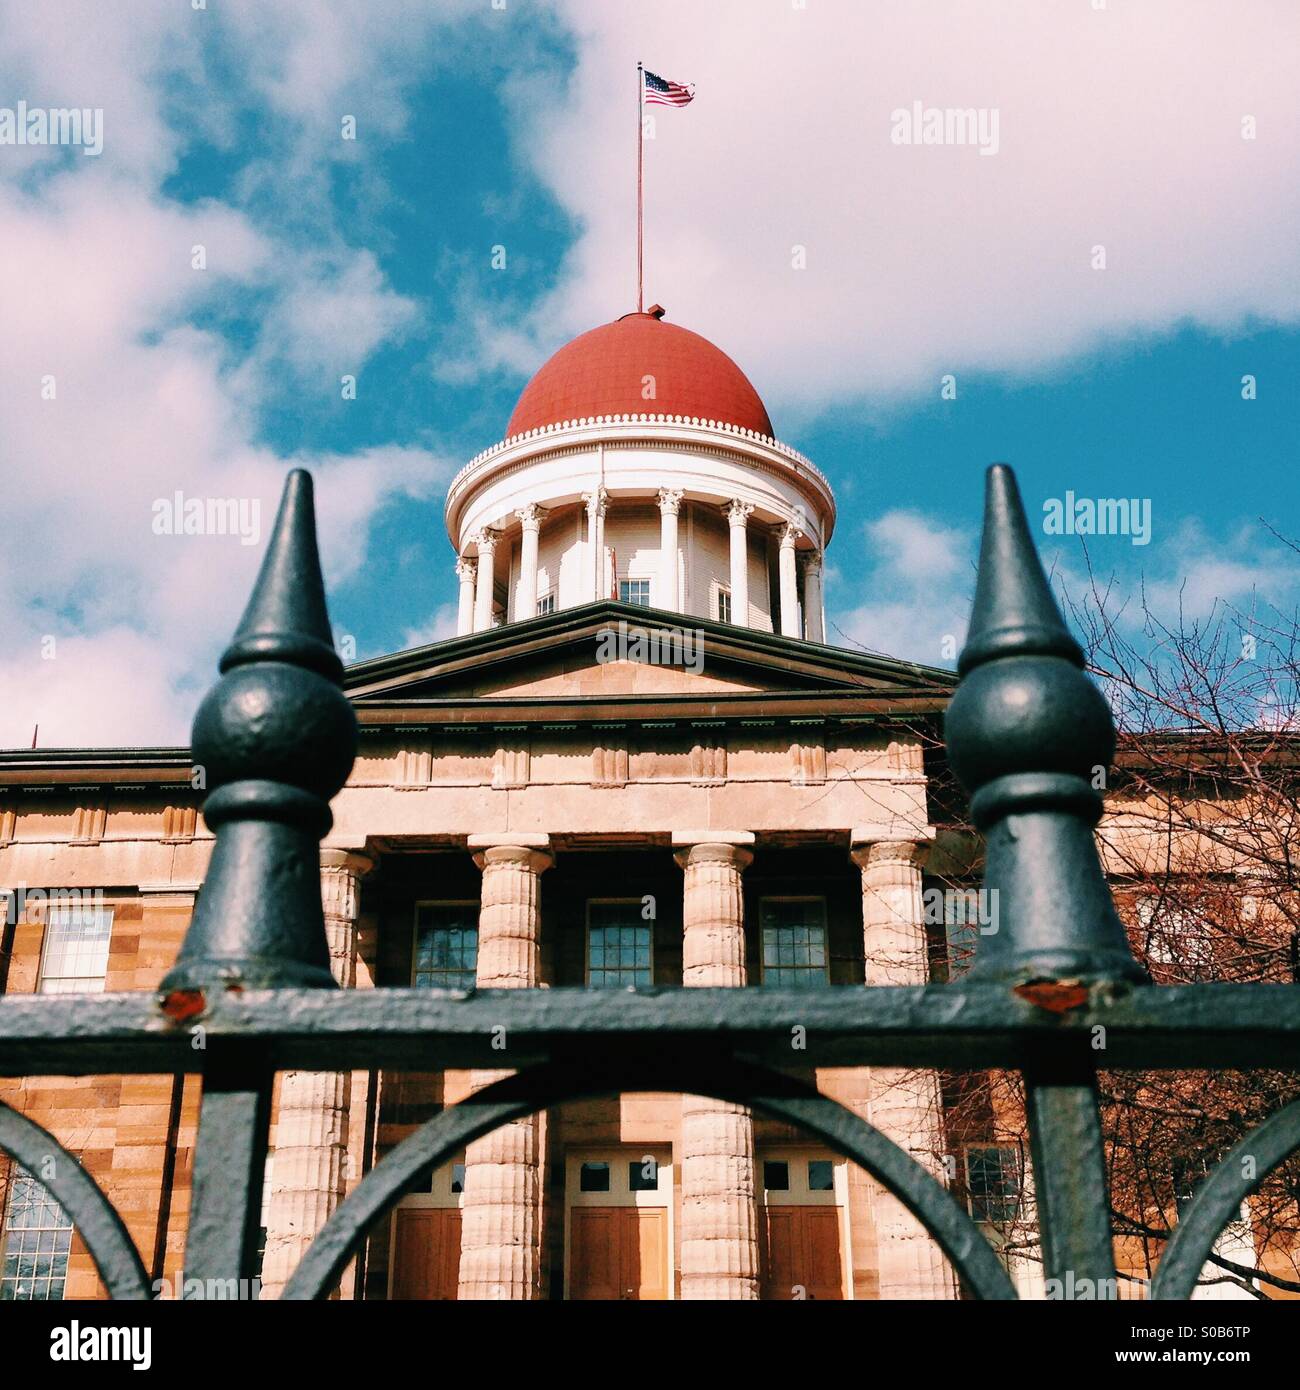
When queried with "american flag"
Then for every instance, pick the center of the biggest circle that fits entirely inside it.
(660, 92)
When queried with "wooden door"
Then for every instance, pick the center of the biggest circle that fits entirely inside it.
(803, 1253)
(426, 1257)
(618, 1253)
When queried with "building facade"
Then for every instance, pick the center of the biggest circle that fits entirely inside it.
(637, 764)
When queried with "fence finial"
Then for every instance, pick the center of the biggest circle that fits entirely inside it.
(275, 738)
(1031, 738)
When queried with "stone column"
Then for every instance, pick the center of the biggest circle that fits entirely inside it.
(905, 1105)
(501, 1218)
(465, 611)
(719, 1238)
(670, 501)
(309, 1172)
(814, 619)
(595, 503)
(530, 518)
(790, 534)
(737, 514)
(486, 541)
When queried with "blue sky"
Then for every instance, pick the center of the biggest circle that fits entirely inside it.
(480, 127)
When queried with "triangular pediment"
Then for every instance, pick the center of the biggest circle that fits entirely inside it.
(610, 650)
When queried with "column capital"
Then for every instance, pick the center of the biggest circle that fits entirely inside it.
(670, 500)
(355, 861)
(596, 501)
(737, 512)
(891, 844)
(527, 851)
(485, 539)
(531, 516)
(731, 847)
(466, 569)
(790, 534)
(812, 562)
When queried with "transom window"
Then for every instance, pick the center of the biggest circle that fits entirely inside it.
(634, 591)
(794, 943)
(446, 945)
(619, 946)
(74, 957)
(993, 1182)
(38, 1236)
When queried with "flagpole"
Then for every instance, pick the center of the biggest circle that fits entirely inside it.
(640, 187)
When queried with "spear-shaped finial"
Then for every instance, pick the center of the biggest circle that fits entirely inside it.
(1031, 738)
(275, 739)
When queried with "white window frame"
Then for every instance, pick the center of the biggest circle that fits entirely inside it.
(96, 980)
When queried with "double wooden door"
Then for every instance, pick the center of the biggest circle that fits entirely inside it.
(426, 1257)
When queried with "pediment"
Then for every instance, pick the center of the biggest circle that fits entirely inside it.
(611, 650)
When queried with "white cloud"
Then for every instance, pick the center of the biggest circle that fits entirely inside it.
(1118, 127)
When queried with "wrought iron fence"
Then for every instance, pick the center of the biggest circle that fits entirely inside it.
(1054, 992)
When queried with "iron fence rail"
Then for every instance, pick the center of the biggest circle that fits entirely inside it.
(1054, 994)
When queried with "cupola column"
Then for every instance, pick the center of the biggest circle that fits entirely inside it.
(670, 502)
(465, 611)
(595, 503)
(487, 545)
(530, 518)
(790, 534)
(737, 514)
(814, 620)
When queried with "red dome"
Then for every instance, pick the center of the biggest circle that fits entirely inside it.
(602, 373)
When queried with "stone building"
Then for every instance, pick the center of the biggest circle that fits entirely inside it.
(638, 763)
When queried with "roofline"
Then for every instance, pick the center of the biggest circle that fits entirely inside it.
(512, 639)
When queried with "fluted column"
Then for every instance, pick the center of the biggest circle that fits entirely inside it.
(486, 541)
(465, 569)
(789, 577)
(309, 1172)
(595, 503)
(905, 1104)
(530, 519)
(719, 1244)
(814, 620)
(500, 1243)
(737, 514)
(670, 502)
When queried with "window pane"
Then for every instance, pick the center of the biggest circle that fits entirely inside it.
(38, 1235)
(821, 1175)
(74, 956)
(446, 945)
(594, 1177)
(546, 604)
(993, 1181)
(620, 946)
(643, 1176)
(794, 943)
(458, 1177)
(635, 591)
(776, 1175)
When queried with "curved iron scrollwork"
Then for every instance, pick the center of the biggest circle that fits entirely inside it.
(93, 1215)
(779, 1097)
(1217, 1203)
